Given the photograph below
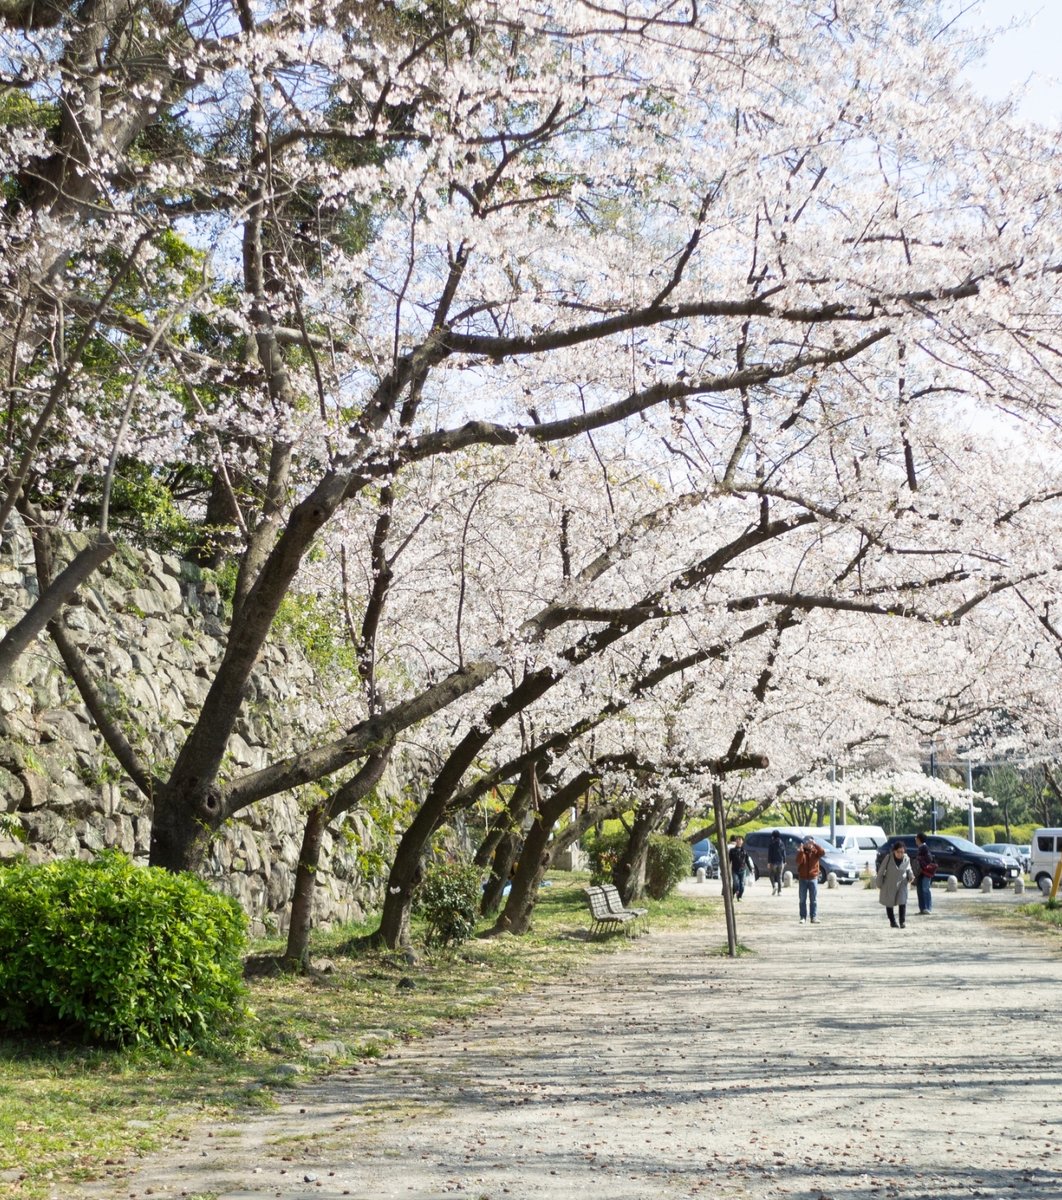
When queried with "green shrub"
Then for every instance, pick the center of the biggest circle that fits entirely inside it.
(603, 851)
(120, 953)
(447, 898)
(667, 864)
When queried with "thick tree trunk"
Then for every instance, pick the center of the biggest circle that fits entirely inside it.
(217, 539)
(191, 798)
(485, 850)
(629, 872)
(182, 827)
(678, 819)
(394, 920)
(536, 856)
(405, 875)
(530, 870)
(297, 954)
(501, 871)
(506, 844)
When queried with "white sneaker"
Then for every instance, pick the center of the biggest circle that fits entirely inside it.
(814, 920)
(803, 921)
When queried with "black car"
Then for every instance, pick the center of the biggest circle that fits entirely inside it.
(958, 856)
(834, 861)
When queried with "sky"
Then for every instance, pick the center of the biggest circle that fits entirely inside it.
(1016, 55)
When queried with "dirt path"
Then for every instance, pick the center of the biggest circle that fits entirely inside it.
(839, 1060)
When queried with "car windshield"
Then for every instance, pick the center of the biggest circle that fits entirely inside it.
(962, 843)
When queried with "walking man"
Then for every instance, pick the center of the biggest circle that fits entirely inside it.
(739, 866)
(924, 868)
(807, 861)
(776, 862)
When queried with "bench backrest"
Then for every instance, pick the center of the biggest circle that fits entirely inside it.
(598, 903)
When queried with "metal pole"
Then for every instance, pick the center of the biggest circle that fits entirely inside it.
(933, 775)
(724, 868)
(969, 788)
(833, 805)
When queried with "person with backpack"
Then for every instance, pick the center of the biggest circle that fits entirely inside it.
(776, 862)
(924, 868)
(740, 865)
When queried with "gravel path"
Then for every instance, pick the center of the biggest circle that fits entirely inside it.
(838, 1061)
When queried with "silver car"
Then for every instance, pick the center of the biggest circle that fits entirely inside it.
(1009, 851)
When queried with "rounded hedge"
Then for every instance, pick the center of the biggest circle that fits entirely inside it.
(120, 953)
(667, 865)
(447, 898)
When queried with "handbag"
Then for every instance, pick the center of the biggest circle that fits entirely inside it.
(929, 869)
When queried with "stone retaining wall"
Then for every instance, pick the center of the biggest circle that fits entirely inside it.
(149, 627)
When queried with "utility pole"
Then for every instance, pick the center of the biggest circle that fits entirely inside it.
(833, 805)
(933, 775)
(743, 762)
(969, 789)
(724, 868)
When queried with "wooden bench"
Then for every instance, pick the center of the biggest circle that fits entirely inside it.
(607, 910)
(602, 917)
(616, 905)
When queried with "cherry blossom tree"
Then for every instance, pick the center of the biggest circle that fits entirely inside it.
(741, 294)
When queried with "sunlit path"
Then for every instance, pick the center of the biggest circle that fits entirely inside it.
(843, 1059)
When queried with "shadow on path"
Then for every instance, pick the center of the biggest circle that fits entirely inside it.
(840, 1060)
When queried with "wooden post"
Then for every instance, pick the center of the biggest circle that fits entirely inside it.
(724, 868)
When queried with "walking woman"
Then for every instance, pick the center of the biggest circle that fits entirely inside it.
(893, 876)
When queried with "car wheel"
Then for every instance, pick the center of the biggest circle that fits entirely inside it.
(970, 877)
(1040, 880)
(822, 875)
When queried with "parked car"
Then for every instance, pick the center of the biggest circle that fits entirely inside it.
(1007, 850)
(959, 856)
(1046, 849)
(861, 841)
(834, 861)
(706, 856)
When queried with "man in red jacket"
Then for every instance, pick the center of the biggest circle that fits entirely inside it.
(807, 862)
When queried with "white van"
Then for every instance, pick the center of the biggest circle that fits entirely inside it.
(1043, 857)
(861, 841)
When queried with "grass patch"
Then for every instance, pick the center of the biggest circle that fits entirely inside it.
(723, 951)
(1039, 917)
(1045, 912)
(68, 1113)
